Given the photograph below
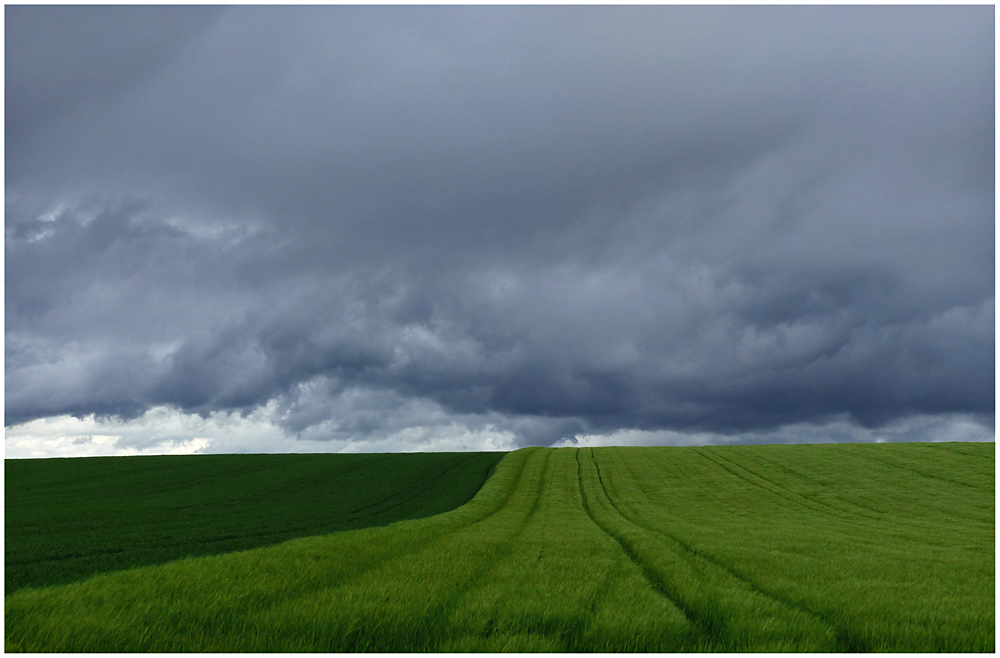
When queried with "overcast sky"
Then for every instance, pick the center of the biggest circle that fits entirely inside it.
(426, 228)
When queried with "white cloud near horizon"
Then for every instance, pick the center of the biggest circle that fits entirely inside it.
(166, 431)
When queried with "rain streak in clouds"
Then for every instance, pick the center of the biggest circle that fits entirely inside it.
(424, 228)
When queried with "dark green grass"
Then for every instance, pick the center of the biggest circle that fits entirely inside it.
(66, 519)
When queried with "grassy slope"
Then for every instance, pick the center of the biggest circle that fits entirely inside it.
(776, 548)
(67, 519)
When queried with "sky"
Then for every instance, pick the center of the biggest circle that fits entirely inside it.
(370, 228)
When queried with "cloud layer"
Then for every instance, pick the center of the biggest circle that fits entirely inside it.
(543, 222)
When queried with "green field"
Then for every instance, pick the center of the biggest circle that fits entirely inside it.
(745, 548)
(67, 519)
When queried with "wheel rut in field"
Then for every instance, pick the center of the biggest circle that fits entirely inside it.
(356, 641)
(915, 471)
(652, 578)
(503, 549)
(966, 453)
(784, 493)
(859, 515)
(846, 641)
(425, 543)
(770, 462)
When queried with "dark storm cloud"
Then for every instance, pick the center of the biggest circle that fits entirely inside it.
(557, 220)
(58, 58)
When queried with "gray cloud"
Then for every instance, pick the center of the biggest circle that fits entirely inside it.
(548, 221)
(59, 58)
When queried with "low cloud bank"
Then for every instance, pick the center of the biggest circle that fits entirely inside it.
(168, 431)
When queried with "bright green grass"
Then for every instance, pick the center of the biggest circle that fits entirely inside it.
(765, 548)
(67, 519)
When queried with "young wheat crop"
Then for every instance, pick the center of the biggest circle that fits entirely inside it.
(763, 548)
